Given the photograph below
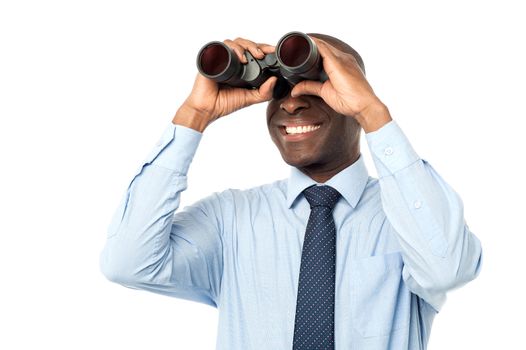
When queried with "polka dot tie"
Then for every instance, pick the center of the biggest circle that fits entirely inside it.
(314, 324)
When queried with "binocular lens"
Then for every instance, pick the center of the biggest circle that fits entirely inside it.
(294, 50)
(213, 59)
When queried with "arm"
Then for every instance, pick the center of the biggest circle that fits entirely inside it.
(426, 215)
(148, 246)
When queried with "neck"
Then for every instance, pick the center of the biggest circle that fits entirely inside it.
(322, 173)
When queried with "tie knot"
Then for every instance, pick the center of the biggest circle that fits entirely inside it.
(321, 196)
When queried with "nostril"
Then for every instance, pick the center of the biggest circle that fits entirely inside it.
(299, 109)
(294, 105)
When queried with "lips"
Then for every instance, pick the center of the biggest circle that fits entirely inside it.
(306, 123)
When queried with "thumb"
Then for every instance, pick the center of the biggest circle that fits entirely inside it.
(264, 93)
(307, 87)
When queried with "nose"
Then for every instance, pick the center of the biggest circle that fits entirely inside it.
(293, 105)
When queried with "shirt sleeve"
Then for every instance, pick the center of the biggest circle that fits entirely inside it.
(439, 251)
(151, 247)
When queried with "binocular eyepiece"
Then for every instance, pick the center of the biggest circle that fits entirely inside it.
(296, 59)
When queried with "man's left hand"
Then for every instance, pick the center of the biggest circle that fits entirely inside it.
(347, 90)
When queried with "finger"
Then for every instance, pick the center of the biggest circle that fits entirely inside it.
(267, 48)
(202, 81)
(307, 87)
(266, 89)
(325, 47)
(335, 59)
(238, 49)
(264, 93)
(251, 47)
(328, 54)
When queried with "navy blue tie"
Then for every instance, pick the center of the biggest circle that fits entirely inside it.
(314, 324)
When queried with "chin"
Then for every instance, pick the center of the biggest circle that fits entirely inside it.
(299, 160)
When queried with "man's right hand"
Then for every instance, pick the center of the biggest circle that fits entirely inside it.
(208, 101)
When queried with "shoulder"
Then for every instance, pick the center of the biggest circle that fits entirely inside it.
(371, 194)
(269, 191)
(232, 196)
(231, 199)
(373, 185)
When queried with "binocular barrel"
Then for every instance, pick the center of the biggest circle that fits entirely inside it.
(299, 59)
(218, 62)
(296, 59)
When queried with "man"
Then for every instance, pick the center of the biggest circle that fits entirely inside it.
(327, 259)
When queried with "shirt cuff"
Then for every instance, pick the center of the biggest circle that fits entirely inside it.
(390, 149)
(175, 149)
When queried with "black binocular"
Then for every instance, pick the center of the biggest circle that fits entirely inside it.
(296, 59)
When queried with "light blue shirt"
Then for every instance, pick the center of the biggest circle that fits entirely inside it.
(402, 243)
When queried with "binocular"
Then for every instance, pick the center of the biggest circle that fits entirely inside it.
(296, 59)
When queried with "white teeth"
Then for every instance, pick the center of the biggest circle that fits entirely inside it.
(301, 129)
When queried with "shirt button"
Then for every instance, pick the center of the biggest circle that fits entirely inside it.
(388, 151)
(417, 204)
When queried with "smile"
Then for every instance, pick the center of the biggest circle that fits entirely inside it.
(293, 130)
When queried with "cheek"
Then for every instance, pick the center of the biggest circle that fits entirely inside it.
(332, 141)
(271, 109)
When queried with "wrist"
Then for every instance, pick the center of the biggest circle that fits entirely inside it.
(374, 116)
(191, 118)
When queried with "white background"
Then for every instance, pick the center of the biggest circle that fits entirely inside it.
(87, 88)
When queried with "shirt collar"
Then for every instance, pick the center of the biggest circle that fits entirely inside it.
(350, 182)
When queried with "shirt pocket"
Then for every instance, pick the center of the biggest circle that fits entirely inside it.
(380, 299)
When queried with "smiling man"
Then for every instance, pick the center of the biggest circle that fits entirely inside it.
(329, 258)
